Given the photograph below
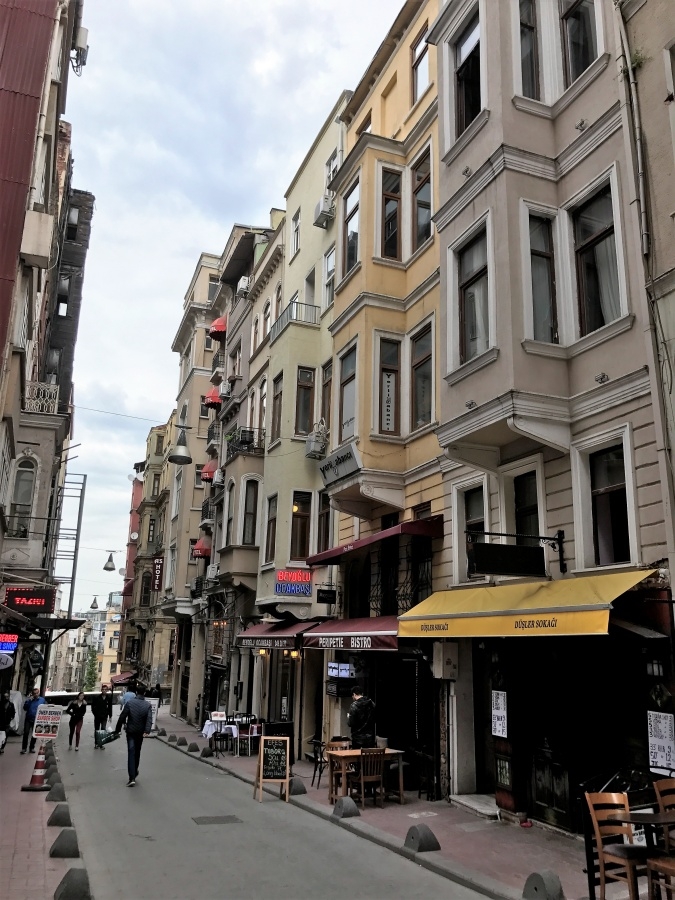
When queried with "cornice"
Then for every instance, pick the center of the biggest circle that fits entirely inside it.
(467, 136)
(366, 299)
(596, 134)
(613, 393)
(264, 276)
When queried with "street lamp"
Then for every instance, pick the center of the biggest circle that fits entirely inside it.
(180, 455)
(110, 565)
(94, 603)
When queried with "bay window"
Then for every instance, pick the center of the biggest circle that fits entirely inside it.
(391, 214)
(351, 229)
(474, 327)
(348, 395)
(596, 263)
(300, 525)
(544, 312)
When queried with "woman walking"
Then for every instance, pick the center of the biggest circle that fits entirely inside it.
(76, 710)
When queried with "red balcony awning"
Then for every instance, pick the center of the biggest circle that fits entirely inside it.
(213, 399)
(374, 633)
(218, 329)
(128, 588)
(202, 549)
(432, 527)
(209, 470)
(272, 635)
(123, 677)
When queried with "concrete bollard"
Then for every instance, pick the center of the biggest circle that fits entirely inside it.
(345, 808)
(51, 770)
(193, 747)
(296, 786)
(53, 779)
(543, 886)
(421, 839)
(181, 742)
(161, 732)
(60, 816)
(206, 752)
(65, 846)
(172, 738)
(74, 886)
(57, 793)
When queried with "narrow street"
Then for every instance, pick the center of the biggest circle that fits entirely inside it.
(143, 842)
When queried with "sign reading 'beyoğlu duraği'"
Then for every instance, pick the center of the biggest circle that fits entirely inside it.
(293, 582)
(345, 461)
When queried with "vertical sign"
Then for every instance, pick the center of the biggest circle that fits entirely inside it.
(154, 703)
(157, 569)
(388, 422)
(661, 730)
(499, 728)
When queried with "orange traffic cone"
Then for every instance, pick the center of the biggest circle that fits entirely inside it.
(38, 780)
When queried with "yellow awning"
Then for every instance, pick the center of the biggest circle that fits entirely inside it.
(566, 606)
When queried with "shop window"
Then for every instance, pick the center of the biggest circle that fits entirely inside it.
(544, 313)
(421, 378)
(474, 322)
(348, 395)
(323, 531)
(300, 525)
(596, 262)
(421, 213)
(390, 373)
(467, 76)
(391, 214)
(580, 46)
(529, 51)
(610, 510)
(350, 238)
(250, 512)
(420, 65)
(304, 401)
(22, 499)
(271, 535)
(277, 396)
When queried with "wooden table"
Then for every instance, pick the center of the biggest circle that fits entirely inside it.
(650, 820)
(344, 757)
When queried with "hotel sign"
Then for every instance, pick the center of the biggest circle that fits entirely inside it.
(293, 582)
(31, 601)
(157, 570)
(344, 462)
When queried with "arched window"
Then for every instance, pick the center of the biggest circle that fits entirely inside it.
(256, 328)
(277, 303)
(145, 589)
(267, 313)
(22, 499)
(262, 411)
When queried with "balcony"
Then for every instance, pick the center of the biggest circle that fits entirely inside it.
(301, 313)
(217, 367)
(41, 398)
(208, 510)
(250, 441)
(213, 435)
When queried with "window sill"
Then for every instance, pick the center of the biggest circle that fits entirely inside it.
(275, 443)
(474, 365)
(294, 256)
(543, 348)
(348, 277)
(618, 567)
(416, 105)
(404, 439)
(405, 264)
(569, 95)
(267, 567)
(606, 333)
(466, 136)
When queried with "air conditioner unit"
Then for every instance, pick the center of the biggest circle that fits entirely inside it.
(243, 286)
(218, 478)
(324, 212)
(213, 571)
(225, 389)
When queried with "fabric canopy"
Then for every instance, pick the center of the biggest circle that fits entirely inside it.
(566, 606)
(272, 635)
(213, 399)
(202, 548)
(209, 470)
(123, 677)
(432, 527)
(128, 588)
(218, 329)
(370, 633)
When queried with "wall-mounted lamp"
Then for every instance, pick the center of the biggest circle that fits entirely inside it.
(295, 654)
(262, 651)
(602, 378)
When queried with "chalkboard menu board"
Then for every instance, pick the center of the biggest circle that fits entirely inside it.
(273, 764)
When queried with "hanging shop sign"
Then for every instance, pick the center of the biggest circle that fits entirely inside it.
(31, 601)
(6, 661)
(345, 461)
(499, 725)
(326, 595)
(505, 559)
(157, 569)
(350, 641)
(293, 582)
(8, 642)
(661, 731)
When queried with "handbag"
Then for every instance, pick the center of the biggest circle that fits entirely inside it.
(105, 737)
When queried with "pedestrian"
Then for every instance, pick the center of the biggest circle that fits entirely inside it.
(102, 708)
(158, 693)
(127, 695)
(76, 710)
(361, 720)
(137, 714)
(30, 707)
(7, 713)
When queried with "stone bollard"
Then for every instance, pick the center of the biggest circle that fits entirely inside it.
(206, 752)
(65, 846)
(172, 738)
(57, 793)
(193, 747)
(345, 808)
(543, 886)
(60, 816)
(53, 779)
(161, 732)
(181, 742)
(74, 886)
(421, 839)
(296, 786)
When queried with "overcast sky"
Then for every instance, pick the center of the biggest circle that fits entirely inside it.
(190, 115)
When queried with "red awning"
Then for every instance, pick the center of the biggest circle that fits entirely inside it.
(212, 399)
(374, 633)
(202, 548)
(432, 527)
(218, 329)
(128, 588)
(272, 635)
(209, 470)
(123, 677)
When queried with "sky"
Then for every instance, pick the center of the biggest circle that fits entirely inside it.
(189, 116)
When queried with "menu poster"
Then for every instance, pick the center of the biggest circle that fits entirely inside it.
(499, 714)
(273, 765)
(661, 730)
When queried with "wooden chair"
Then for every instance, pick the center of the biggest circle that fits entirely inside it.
(619, 859)
(660, 871)
(335, 769)
(370, 772)
(665, 794)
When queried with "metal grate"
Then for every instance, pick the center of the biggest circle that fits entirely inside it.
(216, 820)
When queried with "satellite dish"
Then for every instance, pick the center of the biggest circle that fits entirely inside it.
(122, 572)
(131, 476)
(134, 535)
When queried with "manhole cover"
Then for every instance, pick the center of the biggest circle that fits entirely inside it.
(216, 820)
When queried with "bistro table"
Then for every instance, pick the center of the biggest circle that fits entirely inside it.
(649, 820)
(345, 757)
(211, 727)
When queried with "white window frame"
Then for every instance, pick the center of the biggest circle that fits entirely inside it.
(459, 558)
(405, 213)
(599, 40)
(580, 452)
(226, 514)
(295, 233)
(507, 513)
(354, 182)
(326, 280)
(177, 491)
(332, 165)
(238, 527)
(337, 418)
(558, 236)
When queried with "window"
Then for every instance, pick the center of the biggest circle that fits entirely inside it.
(100, 666)
(529, 52)
(267, 316)
(611, 541)
(277, 303)
(390, 373)
(391, 214)
(178, 485)
(295, 233)
(422, 511)
(473, 299)
(145, 590)
(302, 507)
(331, 167)
(351, 229)
(420, 378)
(467, 76)
(597, 269)
(250, 512)
(155, 484)
(271, 536)
(348, 395)
(22, 499)
(114, 643)
(151, 530)
(580, 46)
(251, 410)
(526, 508)
(474, 513)
(256, 329)
(277, 394)
(73, 219)
(421, 175)
(329, 278)
(113, 668)
(326, 388)
(544, 312)
(366, 126)
(203, 408)
(198, 475)
(213, 287)
(230, 515)
(323, 533)
(159, 445)
(420, 66)
(262, 411)
(304, 402)
(208, 342)
(468, 515)
(191, 556)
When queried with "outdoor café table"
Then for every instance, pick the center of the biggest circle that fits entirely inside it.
(344, 757)
(650, 820)
(210, 729)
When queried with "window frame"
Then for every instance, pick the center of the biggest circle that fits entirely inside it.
(323, 522)
(295, 233)
(297, 520)
(417, 59)
(415, 190)
(267, 319)
(300, 389)
(250, 516)
(564, 16)
(277, 403)
(326, 392)
(416, 364)
(463, 287)
(461, 122)
(459, 557)
(328, 297)
(198, 475)
(384, 369)
(533, 29)
(344, 381)
(25, 464)
(348, 215)
(397, 198)
(507, 475)
(271, 529)
(230, 525)
(551, 257)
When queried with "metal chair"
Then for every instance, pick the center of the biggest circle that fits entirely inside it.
(370, 772)
(246, 729)
(320, 761)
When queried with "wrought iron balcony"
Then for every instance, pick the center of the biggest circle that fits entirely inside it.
(217, 367)
(245, 440)
(213, 434)
(302, 313)
(207, 513)
(41, 398)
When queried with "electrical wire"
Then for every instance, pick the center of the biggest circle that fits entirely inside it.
(107, 412)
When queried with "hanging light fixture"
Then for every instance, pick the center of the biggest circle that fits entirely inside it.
(94, 604)
(110, 565)
(180, 455)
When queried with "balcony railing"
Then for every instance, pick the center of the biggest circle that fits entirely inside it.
(245, 440)
(41, 397)
(213, 433)
(207, 512)
(218, 361)
(295, 312)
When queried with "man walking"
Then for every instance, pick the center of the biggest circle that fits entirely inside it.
(137, 714)
(7, 713)
(30, 708)
(361, 720)
(102, 708)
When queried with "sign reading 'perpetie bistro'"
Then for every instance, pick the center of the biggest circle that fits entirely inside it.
(350, 641)
(31, 601)
(296, 582)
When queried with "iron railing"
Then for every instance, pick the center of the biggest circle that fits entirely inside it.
(245, 440)
(207, 511)
(41, 398)
(218, 361)
(213, 433)
(295, 312)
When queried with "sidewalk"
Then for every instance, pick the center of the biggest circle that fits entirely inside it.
(492, 856)
(26, 870)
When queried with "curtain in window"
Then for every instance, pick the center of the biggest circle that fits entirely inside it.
(477, 322)
(608, 279)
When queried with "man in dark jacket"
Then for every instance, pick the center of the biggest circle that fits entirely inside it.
(361, 720)
(137, 714)
(30, 708)
(7, 713)
(102, 708)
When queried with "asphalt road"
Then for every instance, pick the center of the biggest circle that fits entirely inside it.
(143, 842)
